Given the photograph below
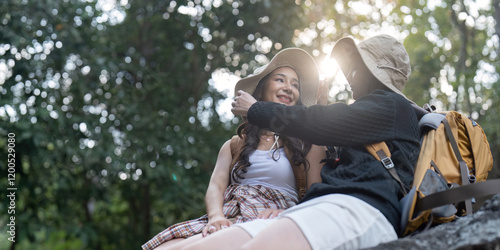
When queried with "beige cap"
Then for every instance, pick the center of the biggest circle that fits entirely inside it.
(385, 57)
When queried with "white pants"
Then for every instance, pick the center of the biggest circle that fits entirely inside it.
(334, 221)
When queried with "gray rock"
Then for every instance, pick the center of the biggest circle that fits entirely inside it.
(478, 231)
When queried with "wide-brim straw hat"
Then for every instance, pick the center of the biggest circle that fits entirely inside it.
(383, 55)
(295, 58)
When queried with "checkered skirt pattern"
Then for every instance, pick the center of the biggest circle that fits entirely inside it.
(241, 203)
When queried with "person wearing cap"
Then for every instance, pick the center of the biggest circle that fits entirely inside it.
(357, 203)
(258, 173)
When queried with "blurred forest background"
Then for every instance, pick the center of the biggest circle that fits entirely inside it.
(118, 106)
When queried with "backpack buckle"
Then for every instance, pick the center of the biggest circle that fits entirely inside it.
(387, 162)
(472, 178)
(429, 108)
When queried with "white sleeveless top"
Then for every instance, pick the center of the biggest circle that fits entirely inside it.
(270, 173)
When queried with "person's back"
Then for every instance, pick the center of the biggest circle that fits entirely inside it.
(357, 172)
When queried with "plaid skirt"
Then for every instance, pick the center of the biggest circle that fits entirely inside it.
(241, 203)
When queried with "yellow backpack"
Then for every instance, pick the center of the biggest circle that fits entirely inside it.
(450, 172)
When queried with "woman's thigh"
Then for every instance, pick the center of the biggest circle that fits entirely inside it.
(229, 238)
(282, 233)
(179, 243)
(171, 244)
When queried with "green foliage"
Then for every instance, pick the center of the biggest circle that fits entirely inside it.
(114, 109)
(113, 114)
(56, 240)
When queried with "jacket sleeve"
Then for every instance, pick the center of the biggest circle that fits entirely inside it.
(372, 118)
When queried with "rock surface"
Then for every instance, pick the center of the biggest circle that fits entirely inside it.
(478, 231)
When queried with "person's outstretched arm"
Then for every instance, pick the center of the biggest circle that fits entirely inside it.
(214, 198)
(370, 119)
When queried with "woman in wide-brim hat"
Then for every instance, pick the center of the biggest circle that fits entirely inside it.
(298, 60)
(259, 173)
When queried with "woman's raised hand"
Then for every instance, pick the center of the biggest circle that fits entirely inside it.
(242, 102)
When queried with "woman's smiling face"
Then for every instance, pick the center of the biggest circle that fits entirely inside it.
(282, 86)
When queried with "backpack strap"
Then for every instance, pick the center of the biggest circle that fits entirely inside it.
(430, 121)
(464, 169)
(235, 145)
(457, 194)
(381, 152)
(300, 174)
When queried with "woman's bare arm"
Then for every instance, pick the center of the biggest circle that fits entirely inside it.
(214, 198)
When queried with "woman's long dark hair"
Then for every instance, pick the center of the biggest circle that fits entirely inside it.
(251, 136)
